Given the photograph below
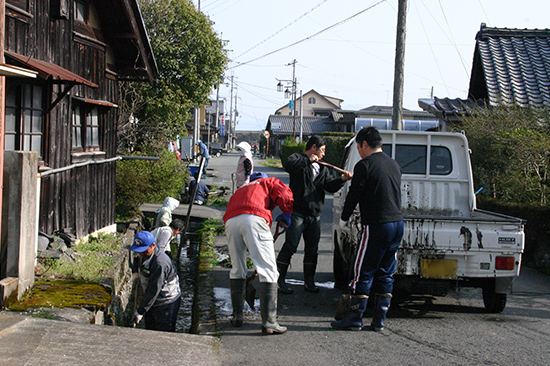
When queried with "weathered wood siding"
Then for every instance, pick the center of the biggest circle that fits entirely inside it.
(81, 199)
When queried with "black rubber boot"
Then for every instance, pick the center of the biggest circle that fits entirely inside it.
(354, 320)
(381, 307)
(268, 309)
(238, 291)
(283, 287)
(309, 274)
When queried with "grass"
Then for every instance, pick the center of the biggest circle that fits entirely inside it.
(93, 259)
(272, 163)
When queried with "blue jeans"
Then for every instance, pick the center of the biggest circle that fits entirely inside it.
(163, 317)
(376, 262)
(310, 227)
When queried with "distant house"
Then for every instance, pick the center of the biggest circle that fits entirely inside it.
(80, 50)
(282, 127)
(510, 67)
(314, 104)
(381, 118)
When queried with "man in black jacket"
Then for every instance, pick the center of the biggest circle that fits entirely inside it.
(376, 186)
(308, 181)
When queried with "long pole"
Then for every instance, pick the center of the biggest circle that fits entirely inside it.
(397, 116)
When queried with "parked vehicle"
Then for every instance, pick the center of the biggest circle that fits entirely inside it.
(216, 149)
(448, 242)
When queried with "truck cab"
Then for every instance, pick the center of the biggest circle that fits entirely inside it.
(448, 242)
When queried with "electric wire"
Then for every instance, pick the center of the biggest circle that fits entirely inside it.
(282, 29)
(310, 37)
(452, 37)
(445, 34)
(432, 50)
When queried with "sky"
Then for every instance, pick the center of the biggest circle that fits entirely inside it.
(346, 48)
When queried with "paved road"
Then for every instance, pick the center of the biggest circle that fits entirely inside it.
(453, 330)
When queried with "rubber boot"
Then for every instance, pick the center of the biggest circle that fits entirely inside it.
(309, 274)
(268, 308)
(283, 287)
(238, 291)
(354, 320)
(381, 307)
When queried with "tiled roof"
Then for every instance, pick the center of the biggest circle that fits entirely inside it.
(511, 67)
(446, 106)
(284, 125)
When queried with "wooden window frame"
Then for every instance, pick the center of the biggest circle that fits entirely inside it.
(85, 127)
(24, 129)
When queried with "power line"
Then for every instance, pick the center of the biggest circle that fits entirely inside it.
(431, 49)
(282, 29)
(310, 37)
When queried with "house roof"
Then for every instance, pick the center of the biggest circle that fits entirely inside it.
(284, 125)
(49, 70)
(445, 107)
(511, 67)
(304, 95)
(123, 27)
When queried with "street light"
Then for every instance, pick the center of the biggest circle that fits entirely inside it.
(280, 87)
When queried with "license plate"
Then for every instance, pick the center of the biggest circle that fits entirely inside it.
(439, 268)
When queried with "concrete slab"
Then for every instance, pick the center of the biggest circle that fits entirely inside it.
(34, 341)
(197, 211)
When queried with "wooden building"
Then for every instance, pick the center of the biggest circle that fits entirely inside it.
(81, 50)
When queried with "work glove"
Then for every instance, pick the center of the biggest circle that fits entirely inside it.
(284, 219)
(344, 225)
(137, 318)
(135, 277)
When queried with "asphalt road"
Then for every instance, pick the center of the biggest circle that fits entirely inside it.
(453, 330)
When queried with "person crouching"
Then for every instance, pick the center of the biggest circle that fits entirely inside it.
(160, 282)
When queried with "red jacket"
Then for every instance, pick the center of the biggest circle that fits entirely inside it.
(259, 198)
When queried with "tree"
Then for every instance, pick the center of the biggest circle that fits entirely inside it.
(190, 59)
(510, 153)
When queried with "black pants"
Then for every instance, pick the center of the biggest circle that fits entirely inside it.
(163, 317)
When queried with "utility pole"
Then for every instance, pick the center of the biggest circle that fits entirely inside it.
(301, 115)
(294, 97)
(397, 117)
(290, 93)
(230, 133)
(217, 125)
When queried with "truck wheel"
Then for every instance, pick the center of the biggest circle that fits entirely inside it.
(341, 270)
(218, 154)
(494, 303)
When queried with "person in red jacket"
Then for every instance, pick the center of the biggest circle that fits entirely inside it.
(248, 228)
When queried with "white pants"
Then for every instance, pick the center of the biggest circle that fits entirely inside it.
(250, 232)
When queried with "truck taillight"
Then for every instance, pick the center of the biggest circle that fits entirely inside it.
(505, 263)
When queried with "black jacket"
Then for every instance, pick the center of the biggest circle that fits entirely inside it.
(376, 186)
(309, 194)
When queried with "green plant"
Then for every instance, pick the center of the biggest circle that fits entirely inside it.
(141, 181)
(92, 259)
(290, 147)
(273, 163)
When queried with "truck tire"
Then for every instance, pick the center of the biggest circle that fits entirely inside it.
(494, 303)
(340, 268)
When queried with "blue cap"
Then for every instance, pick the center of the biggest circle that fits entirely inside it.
(142, 241)
(257, 175)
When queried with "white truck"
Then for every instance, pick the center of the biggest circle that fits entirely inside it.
(448, 242)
